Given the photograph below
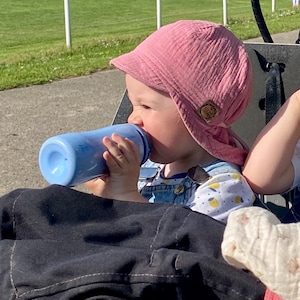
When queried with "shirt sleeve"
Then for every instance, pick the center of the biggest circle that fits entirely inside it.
(221, 194)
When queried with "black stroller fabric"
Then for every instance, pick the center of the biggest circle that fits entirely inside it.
(58, 243)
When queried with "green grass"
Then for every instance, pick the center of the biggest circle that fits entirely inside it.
(32, 36)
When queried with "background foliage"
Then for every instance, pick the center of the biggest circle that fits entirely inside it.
(32, 32)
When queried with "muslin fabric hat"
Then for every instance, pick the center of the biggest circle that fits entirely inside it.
(205, 69)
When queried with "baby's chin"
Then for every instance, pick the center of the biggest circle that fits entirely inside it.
(159, 159)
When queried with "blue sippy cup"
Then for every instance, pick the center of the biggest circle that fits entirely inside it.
(72, 158)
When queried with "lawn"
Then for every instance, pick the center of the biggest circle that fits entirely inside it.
(32, 32)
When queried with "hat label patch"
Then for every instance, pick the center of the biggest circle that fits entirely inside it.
(207, 111)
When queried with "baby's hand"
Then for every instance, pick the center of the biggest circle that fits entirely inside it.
(123, 161)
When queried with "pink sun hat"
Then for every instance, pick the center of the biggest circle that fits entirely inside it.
(205, 69)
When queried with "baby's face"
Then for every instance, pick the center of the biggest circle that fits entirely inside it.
(157, 114)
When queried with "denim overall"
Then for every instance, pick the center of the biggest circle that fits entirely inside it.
(180, 193)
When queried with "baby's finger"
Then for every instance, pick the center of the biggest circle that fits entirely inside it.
(113, 150)
(127, 148)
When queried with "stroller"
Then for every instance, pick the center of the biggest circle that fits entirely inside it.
(58, 243)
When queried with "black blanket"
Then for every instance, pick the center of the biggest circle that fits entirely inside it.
(58, 243)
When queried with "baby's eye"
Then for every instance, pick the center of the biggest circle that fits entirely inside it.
(145, 106)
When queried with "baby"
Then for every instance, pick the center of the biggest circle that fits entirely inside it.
(187, 83)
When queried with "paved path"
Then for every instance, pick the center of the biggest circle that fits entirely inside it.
(281, 38)
(30, 115)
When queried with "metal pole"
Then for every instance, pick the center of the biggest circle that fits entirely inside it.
(273, 5)
(225, 12)
(158, 13)
(67, 24)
